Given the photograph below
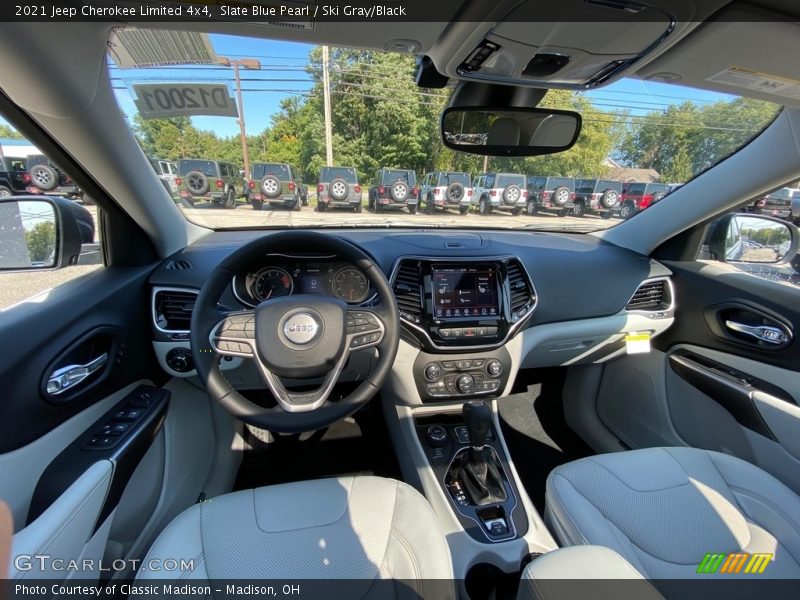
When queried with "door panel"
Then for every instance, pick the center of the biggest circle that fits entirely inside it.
(709, 385)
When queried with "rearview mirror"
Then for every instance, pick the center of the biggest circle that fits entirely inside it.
(509, 131)
(38, 232)
(752, 239)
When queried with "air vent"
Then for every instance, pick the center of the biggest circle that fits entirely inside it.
(172, 309)
(179, 265)
(408, 291)
(522, 294)
(651, 295)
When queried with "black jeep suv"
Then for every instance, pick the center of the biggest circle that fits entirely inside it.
(550, 194)
(596, 196)
(277, 185)
(47, 178)
(394, 188)
(208, 180)
(14, 176)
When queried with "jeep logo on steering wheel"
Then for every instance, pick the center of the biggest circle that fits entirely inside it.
(301, 328)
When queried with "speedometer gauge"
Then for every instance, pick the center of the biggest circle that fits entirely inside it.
(350, 285)
(271, 283)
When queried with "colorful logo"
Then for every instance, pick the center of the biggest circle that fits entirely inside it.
(735, 562)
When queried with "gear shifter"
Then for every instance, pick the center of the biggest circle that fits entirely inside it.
(479, 469)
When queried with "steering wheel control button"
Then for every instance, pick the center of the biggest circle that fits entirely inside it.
(437, 436)
(433, 372)
(302, 328)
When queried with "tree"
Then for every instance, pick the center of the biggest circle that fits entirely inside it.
(41, 241)
(9, 132)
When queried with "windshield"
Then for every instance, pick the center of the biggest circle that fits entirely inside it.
(448, 178)
(391, 176)
(376, 117)
(206, 167)
(262, 170)
(331, 173)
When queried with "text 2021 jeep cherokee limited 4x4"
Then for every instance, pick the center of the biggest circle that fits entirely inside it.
(338, 187)
(499, 191)
(209, 181)
(394, 188)
(446, 189)
(274, 184)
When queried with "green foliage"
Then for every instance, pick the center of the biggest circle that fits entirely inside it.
(9, 132)
(41, 241)
(687, 138)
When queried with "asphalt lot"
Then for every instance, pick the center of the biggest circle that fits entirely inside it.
(16, 287)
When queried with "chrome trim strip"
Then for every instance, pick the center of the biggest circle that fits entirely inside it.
(513, 327)
(157, 289)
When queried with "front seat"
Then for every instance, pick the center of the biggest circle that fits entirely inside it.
(664, 509)
(358, 528)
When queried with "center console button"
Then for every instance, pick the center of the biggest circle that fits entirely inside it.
(465, 384)
(432, 372)
(437, 435)
(448, 364)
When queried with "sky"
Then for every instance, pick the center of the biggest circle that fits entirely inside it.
(283, 66)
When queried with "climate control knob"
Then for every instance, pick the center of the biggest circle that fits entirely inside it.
(494, 367)
(432, 371)
(465, 384)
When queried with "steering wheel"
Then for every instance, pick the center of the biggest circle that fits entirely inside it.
(301, 337)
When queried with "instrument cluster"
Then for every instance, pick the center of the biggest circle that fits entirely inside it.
(332, 278)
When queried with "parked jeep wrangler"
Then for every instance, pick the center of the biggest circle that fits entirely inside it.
(556, 194)
(500, 191)
(167, 172)
(14, 176)
(596, 196)
(446, 189)
(208, 180)
(637, 196)
(275, 184)
(338, 188)
(394, 188)
(47, 178)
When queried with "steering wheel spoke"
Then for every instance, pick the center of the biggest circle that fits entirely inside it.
(234, 334)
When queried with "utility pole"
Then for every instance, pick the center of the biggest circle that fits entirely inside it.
(326, 95)
(247, 63)
(485, 163)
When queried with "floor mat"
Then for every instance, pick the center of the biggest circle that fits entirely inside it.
(358, 445)
(537, 434)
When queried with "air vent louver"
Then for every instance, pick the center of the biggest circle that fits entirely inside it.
(179, 265)
(173, 309)
(408, 291)
(650, 295)
(522, 295)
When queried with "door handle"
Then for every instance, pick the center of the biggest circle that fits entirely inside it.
(68, 377)
(763, 333)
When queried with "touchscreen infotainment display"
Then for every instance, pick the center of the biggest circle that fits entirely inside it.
(464, 292)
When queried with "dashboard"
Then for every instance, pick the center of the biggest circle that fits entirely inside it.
(474, 306)
(290, 275)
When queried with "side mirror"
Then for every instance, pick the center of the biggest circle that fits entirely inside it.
(509, 131)
(40, 232)
(751, 239)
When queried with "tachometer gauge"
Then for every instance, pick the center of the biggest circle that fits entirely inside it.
(271, 282)
(350, 285)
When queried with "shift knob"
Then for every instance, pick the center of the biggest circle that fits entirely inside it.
(478, 418)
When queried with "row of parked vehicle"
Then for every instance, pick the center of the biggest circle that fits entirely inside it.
(278, 185)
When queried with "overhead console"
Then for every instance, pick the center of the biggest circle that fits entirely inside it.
(462, 304)
(577, 44)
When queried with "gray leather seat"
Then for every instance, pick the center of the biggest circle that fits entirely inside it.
(361, 528)
(664, 509)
